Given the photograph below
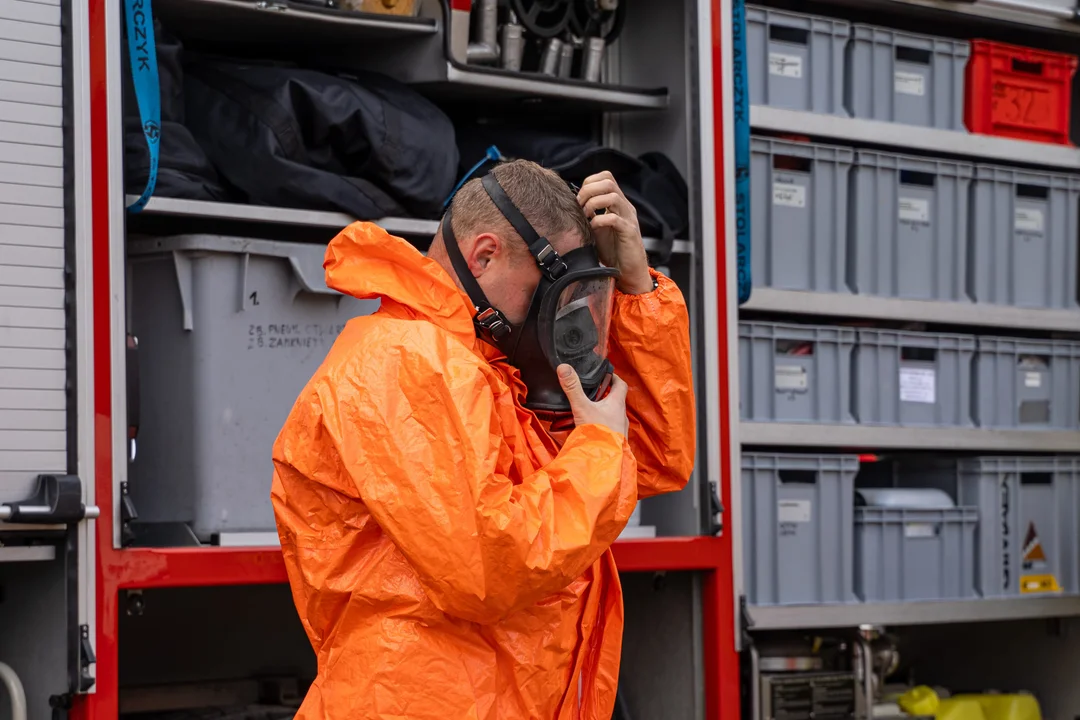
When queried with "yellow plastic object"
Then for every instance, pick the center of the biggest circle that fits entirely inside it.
(923, 701)
(1019, 706)
(960, 708)
(919, 700)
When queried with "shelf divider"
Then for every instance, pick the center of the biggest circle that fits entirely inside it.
(797, 302)
(784, 617)
(910, 137)
(907, 438)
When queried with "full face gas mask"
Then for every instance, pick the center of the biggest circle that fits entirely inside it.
(568, 317)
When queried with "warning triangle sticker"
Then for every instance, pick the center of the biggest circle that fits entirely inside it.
(1034, 557)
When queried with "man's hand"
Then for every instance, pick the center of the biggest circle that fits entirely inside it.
(609, 412)
(618, 237)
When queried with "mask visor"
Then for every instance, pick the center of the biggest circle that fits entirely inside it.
(580, 330)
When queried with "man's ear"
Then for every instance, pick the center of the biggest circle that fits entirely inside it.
(484, 249)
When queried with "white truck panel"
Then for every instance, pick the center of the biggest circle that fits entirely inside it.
(33, 336)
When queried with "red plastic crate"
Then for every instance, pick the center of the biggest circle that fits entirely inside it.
(1018, 92)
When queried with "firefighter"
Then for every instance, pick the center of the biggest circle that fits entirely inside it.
(449, 483)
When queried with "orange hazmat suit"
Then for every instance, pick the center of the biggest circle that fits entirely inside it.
(448, 557)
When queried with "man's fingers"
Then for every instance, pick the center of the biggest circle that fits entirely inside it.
(619, 388)
(598, 187)
(612, 221)
(571, 385)
(598, 177)
(608, 201)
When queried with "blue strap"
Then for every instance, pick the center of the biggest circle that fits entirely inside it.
(142, 51)
(741, 98)
(492, 154)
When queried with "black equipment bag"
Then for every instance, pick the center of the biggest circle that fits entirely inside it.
(651, 182)
(291, 137)
(184, 170)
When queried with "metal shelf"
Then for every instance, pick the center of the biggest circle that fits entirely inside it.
(911, 613)
(250, 217)
(462, 83)
(27, 553)
(945, 142)
(275, 21)
(1032, 14)
(798, 302)
(901, 438)
(234, 212)
(1024, 12)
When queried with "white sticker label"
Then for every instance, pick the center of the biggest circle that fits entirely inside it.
(914, 210)
(794, 511)
(1032, 379)
(919, 530)
(918, 385)
(907, 83)
(789, 66)
(789, 194)
(790, 377)
(1028, 220)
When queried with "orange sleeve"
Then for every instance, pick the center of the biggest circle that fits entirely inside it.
(650, 349)
(417, 432)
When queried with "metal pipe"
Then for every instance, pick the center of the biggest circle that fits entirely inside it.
(513, 44)
(867, 659)
(92, 511)
(549, 61)
(566, 59)
(593, 59)
(486, 50)
(755, 683)
(15, 692)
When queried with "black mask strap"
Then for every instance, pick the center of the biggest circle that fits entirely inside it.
(546, 258)
(488, 319)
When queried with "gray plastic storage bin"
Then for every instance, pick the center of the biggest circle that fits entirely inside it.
(795, 373)
(796, 61)
(797, 511)
(230, 330)
(1029, 518)
(798, 205)
(1027, 384)
(909, 227)
(901, 77)
(915, 553)
(1024, 238)
(908, 378)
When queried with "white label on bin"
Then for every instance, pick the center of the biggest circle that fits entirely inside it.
(1032, 379)
(918, 385)
(1028, 220)
(793, 511)
(914, 210)
(910, 83)
(919, 530)
(788, 194)
(789, 66)
(790, 377)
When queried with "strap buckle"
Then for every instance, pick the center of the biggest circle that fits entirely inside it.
(493, 323)
(551, 264)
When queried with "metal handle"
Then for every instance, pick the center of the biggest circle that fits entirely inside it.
(15, 691)
(867, 660)
(92, 512)
(755, 684)
(57, 500)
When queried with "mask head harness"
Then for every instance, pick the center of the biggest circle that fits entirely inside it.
(568, 316)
